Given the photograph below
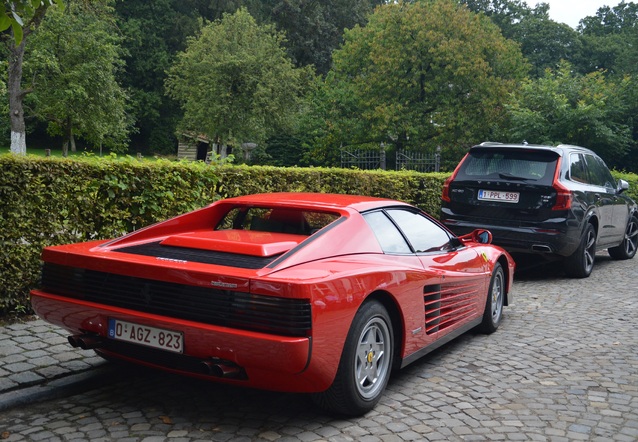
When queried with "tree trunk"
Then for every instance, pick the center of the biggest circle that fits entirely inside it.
(68, 138)
(16, 94)
(14, 80)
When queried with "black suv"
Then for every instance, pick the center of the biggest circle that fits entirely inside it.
(554, 201)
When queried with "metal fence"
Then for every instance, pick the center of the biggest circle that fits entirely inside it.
(367, 159)
(419, 161)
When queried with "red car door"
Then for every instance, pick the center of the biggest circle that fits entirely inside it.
(458, 295)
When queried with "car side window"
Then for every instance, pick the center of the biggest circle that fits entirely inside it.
(600, 175)
(386, 232)
(578, 169)
(423, 234)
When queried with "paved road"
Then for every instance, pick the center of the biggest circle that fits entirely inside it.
(562, 367)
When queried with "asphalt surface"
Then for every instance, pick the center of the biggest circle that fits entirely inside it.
(562, 367)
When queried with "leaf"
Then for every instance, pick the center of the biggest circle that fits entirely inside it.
(5, 21)
(17, 18)
(17, 32)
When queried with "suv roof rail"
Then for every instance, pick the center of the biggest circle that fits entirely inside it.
(490, 143)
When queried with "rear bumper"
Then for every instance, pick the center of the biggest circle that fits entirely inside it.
(555, 238)
(263, 361)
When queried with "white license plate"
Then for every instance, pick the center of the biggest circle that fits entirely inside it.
(145, 335)
(498, 195)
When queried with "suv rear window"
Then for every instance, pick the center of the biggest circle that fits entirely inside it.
(525, 165)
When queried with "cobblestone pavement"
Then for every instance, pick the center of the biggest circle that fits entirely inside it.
(562, 367)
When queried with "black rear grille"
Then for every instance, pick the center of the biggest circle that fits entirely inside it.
(269, 314)
(204, 256)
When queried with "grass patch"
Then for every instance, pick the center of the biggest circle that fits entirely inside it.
(42, 152)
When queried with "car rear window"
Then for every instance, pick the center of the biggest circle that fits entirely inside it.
(524, 165)
(278, 219)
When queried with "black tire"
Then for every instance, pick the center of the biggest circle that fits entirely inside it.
(365, 365)
(493, 314)
(627, 248)
(581, 262)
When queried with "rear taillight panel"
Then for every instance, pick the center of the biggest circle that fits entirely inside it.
(445, 196)
(563, 194)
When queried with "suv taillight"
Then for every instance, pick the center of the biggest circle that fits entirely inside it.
(445, 195)
(563, 194)
(563, 197)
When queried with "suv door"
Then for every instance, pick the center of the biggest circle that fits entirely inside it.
(604, 196)
(617, 204)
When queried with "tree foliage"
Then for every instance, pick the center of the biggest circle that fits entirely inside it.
(566, 107)
(153, 34)
(74, 78)
(507, 14)
(235, 81)
(610, 39)
(313, 29)
(15, 14)
(420, 74)
(545, 43)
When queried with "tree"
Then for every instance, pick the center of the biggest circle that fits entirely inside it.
(610, 39)
(154, 32)
(23, 17)
(420, 75)
(4, 108)
(73, 66)
(313, 29)
(235, 81)
(543, 41)
(506, 14)
(14, 13)
(566, 107)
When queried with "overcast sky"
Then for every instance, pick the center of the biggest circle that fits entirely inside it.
(572, 11)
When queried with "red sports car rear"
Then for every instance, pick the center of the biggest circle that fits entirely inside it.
(312, 293)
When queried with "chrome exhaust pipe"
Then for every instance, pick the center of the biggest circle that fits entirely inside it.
(541, 248)
(85, 342)
(220, 370)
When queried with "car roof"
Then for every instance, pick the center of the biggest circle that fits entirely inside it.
(327, 201)
(561, 149)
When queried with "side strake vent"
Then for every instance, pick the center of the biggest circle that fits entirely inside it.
(446, 305)
(268, 314)
(196, 255)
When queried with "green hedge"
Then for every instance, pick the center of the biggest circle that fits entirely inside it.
(46, 201)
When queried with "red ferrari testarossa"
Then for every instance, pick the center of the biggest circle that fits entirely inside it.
(298, 292)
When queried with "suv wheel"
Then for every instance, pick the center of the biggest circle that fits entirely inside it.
(581, 262)
(627, 248)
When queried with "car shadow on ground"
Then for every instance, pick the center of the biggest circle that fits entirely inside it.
(531, 268)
